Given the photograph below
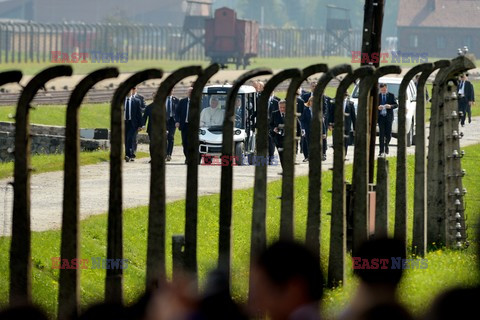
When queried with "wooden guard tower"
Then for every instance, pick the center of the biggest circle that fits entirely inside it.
(339, 28)
(197, 11)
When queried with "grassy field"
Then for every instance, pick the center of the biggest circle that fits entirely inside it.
(445, 267)
(55, 162)
(170, 65)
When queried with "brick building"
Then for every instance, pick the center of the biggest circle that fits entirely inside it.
(439, 27)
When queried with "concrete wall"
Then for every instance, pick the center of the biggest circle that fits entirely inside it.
(45, 144)
(45, 140)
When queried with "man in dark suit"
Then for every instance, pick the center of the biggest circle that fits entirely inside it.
(466, 99)
(326, 111)
(171, 107)
(143, 106)
(133, 123)
(348, 121)
(306, 120)
(387, 103)
(300, 108)
(307, 94)
(272, 107)
(182, 119)
(276, 127)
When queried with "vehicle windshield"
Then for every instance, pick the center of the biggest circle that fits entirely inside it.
(213, 111)
(392, 87)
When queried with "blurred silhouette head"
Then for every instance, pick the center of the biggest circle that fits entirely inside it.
(105, 311)
(381, 248)
(391, 311)
(285, 277)
(23, 312)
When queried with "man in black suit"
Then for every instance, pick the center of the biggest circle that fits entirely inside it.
(272, 107)
(348, 120)
(307, 94)
(300, 108)
(133, 123)
(171, 107)
(327, 111)
(143, 106)
(466, 99)
(306, 120)
(276, 127)
(182, 120)
(387, 103)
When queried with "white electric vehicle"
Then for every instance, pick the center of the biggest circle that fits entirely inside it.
(211, 123)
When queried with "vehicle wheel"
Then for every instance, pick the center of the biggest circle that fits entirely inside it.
(410, 139)
(240, 152)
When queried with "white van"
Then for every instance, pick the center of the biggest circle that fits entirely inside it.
(411, 104)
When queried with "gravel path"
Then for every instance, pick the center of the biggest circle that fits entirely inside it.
(47, 188)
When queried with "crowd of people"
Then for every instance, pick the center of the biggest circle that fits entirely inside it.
(137, 115)
(286, 284)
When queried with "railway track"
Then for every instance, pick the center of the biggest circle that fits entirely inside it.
(57, 97)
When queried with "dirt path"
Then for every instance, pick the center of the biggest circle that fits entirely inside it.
(47, 188)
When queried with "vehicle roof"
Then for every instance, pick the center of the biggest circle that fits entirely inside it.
(243, 89)
(387, 80)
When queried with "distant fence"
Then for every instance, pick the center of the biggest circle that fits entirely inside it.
(34, 42)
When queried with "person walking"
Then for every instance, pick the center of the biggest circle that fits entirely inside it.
(133, 123)
(385, 117)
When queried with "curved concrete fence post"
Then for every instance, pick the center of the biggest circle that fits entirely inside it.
(258, 239)
(312, 239)
(191, 201)
(338, 244)
(20, 246)
(441, 210)
(114, 278)
(69, 285)
(226, 182)
(419, 238)
(156, 268)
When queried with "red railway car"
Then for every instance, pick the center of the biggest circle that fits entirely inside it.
(230, 40)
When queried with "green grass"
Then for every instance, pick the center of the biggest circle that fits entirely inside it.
(30, 68)
(96, 115)
(445, 267)
(54, 162)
